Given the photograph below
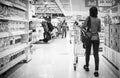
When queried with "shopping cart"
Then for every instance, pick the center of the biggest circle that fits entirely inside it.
(77, 45)
(79, 51)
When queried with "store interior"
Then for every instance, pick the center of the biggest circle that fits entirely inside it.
(28, 50)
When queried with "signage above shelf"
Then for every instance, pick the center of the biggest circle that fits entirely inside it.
(101, 3)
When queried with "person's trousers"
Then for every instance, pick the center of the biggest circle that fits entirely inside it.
(95, 44)
(64, 33)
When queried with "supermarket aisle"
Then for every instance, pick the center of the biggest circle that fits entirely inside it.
(55, 60)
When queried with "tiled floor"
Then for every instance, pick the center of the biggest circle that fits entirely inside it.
(55, 60)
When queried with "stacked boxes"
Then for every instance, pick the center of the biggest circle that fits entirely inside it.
(115, 37)
(114, 31)
(114, 43)
(107, 35)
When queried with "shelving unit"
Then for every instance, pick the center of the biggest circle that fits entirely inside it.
(112, 38)
(14, 33)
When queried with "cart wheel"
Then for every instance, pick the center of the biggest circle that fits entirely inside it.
(76, 59)
(74, 68)
(70, 42)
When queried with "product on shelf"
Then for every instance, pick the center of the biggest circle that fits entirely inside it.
(21, 2)
(5, 42)
(13, 28)
(12, 12)
(3, 10)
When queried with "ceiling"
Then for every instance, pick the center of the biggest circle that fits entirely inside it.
(67, 7)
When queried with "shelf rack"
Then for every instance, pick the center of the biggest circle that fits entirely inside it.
(16, 49)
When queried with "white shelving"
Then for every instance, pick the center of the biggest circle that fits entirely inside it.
(12, 63)
(13, 19)
(113, 58)
(12, 4)
(13, 49)
(14, 33)
(7, 34)
(111, 49)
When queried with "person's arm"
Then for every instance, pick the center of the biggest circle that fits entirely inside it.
(99, 26)
(85, 23)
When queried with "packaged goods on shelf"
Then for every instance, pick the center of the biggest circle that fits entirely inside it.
(116, 19)
(13, 32)
(1, 44)
(17, 39)
(115, 14)
(107, 41)
(3, 10)
(11, 12)
(15, 26)
(21, 2)
(5, 42)
(3, 26)
(114, 31)
(114, 43)
(12, 41)
(106, 29)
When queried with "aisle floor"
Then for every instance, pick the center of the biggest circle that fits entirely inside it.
(55, 60)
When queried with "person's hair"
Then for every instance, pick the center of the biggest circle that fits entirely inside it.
(93, 11)
(76, 22)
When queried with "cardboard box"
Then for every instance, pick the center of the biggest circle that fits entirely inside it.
(107, 40)
(114, 31)
(114, 43)
(107, 29)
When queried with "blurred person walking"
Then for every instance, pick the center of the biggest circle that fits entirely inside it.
(93, 25)
(64, 29)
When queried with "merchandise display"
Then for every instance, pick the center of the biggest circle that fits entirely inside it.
(38, 30)
(112, 36)
(14, 34)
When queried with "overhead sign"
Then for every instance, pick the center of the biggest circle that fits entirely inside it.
(89, 3)
(115, 2)
(105, 2)
(101, 3)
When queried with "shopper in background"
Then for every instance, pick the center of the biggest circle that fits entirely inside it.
(64, 29)
(94, 29)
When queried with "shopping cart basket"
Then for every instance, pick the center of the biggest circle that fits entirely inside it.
(78, 46)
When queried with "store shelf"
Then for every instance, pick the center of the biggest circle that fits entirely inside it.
(20, 7)
(6, 3)
(4, 34)
(13, 49)
(18, 33)
(111, 55)
(13, 5)
(12, 63)
(7, 34)
(13, 19)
